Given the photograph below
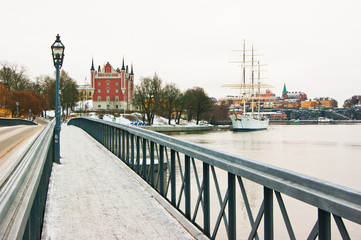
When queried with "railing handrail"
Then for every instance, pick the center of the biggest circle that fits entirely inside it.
(19, 190)
(339, 200)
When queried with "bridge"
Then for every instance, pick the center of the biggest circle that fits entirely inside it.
(145, 184)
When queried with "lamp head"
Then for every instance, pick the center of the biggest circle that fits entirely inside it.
(58, 52)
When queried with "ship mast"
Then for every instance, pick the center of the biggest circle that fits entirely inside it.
(252, 83)
(244, 77)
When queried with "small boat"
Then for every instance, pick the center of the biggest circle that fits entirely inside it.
(324, 120)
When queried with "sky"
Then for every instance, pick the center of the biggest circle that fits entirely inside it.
(311, 46)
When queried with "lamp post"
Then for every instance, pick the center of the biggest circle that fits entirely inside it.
(58, 55)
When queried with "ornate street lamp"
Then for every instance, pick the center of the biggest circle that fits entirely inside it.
(58, 56)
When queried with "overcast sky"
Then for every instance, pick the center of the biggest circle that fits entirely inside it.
(312, 46)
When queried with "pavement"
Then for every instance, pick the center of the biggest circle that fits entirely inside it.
(94, 195)
(14, 140)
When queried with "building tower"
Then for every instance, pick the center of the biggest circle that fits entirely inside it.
(113, 88)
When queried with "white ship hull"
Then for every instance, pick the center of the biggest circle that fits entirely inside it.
(247, 123)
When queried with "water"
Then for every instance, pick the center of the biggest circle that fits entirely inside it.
(328, 152)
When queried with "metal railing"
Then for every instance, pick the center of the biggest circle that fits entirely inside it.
(23, 190)
(187, 184)
(15, 121)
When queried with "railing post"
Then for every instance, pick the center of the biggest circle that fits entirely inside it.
(144, 164)
(187, 186)
(161, 170)
(206, 199)
(324, 225)
(232, 206)
(138, 155)
(132, 151)
(173, 178)
(127, 153)
(123, 145)
(152, 164)
(268, 213)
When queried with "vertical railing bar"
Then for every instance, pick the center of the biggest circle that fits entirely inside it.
(144, 164)
(187, 188)
(132, 151)
(161, 170)
(341, 227)
(257, 222)
(119, 136)
(314, 232)
(220, 215)
(246, 203)
(123, 145)
(268, 213)
(324, 225)
(285, 216)
(152, 164)
(219, 194)
(127, 144)
(173, 178)
(157, 176)
(206, 200)
(232, 226)
(138, 155)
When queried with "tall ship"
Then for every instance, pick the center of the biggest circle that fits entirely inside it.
(250, 95)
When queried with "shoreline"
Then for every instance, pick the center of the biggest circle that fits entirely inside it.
(176, 128)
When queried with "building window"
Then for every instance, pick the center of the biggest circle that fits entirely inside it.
(116, 106)
(108, 83)
(90, 93)
(81, 93)
(116, 83)
(98, 90)
(108, 98)
(98, 83)
(116, 90)
(99, 98)
(107, 90)
(99, 106)
(116, 98)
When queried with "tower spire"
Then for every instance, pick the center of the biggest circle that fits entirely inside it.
(123, 68)
(92, 67)
(131, 70)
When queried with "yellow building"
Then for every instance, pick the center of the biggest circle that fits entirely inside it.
(85, 92)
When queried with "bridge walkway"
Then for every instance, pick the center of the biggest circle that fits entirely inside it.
(93, 195)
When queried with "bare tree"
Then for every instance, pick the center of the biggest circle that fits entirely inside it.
(170, 96)
(147, 96)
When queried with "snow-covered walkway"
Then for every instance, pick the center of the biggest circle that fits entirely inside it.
(93, 195)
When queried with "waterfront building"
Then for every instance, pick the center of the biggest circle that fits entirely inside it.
(85, 92)
(113, 88)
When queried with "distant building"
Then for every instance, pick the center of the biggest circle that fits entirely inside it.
(85, 92)
(353, 101)
(293, 95)
(113, 88)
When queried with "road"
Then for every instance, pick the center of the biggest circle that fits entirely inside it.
(13, 142)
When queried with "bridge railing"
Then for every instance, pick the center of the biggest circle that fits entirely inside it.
(196, 179)
(23, 190)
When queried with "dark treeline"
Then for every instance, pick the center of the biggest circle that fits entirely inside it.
(37, 96)
(153, 97)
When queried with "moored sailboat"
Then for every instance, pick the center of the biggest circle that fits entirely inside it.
(250, 92)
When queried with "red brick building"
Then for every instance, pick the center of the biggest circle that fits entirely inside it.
(113, 88)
